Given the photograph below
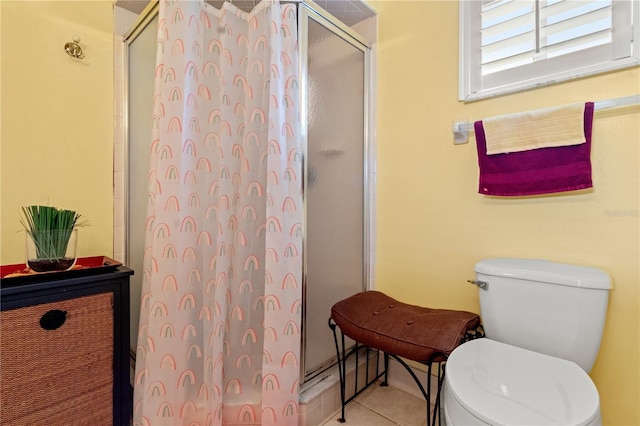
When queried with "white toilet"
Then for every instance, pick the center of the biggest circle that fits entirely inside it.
(543, 323)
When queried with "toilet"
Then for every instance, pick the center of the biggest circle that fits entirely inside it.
(543, 323)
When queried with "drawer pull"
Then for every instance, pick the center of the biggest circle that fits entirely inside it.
(53, 319)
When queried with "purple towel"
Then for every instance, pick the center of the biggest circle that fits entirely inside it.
(538, 171)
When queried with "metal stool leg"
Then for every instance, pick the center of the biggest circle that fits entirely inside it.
(342, 360)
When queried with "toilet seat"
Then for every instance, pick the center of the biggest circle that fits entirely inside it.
(500, 384)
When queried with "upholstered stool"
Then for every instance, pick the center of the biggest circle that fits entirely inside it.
(400, 330)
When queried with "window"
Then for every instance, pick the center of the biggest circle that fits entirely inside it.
(511, 45)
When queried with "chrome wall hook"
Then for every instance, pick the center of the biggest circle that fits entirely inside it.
(73, 48)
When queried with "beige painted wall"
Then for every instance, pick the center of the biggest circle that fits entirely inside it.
(432, 224)
(57, 118)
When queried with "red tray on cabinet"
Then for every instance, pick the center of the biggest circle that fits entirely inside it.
(20, 273)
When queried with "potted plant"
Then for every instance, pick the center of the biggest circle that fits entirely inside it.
(51, 237)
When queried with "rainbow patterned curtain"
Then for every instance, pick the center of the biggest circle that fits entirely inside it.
(220, 314)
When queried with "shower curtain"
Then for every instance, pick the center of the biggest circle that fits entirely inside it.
(220, 315)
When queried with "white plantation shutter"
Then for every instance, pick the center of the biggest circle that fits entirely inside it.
(508, 34)
(508, 45)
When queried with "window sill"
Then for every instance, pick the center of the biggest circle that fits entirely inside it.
(548, 81)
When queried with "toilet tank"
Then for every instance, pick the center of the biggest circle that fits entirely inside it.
(547, 307)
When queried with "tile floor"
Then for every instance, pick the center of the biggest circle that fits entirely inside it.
(383, 406)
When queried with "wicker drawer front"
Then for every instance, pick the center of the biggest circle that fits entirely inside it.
(61, 374)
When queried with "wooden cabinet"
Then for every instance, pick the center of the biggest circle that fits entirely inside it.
(64, 345)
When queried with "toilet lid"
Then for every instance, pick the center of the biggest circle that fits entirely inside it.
(506, 385)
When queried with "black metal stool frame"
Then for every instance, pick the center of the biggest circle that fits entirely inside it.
(343, 355)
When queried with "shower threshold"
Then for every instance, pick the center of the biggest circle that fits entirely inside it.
(320, 396)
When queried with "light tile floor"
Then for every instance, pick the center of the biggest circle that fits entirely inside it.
(383, 406)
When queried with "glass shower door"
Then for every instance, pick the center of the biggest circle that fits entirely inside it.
(335, 184)
(141, 59)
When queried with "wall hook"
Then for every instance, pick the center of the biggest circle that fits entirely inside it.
(73, 48)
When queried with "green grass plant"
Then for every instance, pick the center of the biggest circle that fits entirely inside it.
(50, 229)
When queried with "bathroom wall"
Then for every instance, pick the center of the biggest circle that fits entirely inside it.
(433, 225)
(57, 118)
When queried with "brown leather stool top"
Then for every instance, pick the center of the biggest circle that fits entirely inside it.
(420, 334)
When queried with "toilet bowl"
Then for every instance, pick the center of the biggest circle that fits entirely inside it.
(492, 383)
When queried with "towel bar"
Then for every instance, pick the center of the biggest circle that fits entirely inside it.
(461, 129)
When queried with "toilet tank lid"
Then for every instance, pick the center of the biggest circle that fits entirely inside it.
(545, 271)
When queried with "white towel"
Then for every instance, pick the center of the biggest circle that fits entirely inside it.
(542, 128)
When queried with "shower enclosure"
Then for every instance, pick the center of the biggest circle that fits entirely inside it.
(335, 85)
(334, 79)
